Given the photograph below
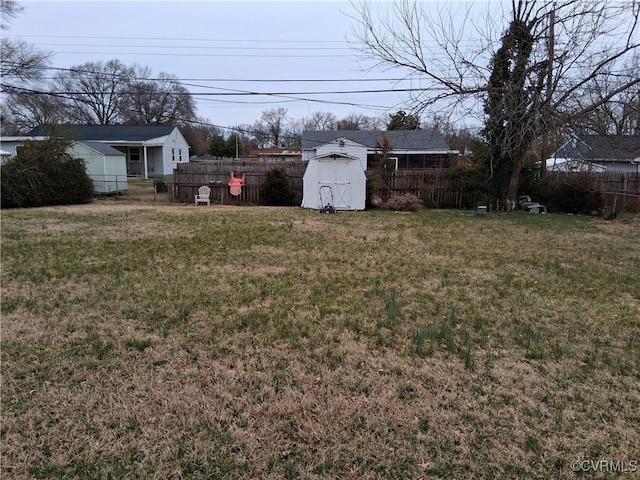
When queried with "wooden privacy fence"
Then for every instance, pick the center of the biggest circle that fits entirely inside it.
(620, 192)
(191, 176)
(431, 185)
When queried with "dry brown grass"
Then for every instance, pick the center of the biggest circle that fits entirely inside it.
(168, 341)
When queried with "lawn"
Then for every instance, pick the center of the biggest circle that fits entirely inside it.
(173, 341)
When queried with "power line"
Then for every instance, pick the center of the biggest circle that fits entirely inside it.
(223, 55)
(290, 96)
(256, 80)
(182, 39)
(190, 47)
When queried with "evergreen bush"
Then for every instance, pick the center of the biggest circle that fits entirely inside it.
(276, 190)
(472, 184)
(42, 173)
(576, 193)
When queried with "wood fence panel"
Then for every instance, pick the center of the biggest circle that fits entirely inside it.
(620, 192)
(190, 176)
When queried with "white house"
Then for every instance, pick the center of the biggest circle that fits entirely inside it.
(150, 150)
(335, 177)
(11, 145)
(598, 154)
(106, 166)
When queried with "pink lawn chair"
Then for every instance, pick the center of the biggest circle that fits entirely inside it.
(235, 184)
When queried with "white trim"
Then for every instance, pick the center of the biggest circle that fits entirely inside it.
(146, 167)
(21, 138)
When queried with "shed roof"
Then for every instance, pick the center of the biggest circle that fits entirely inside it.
(400, 139)
(102, 148)
(110, 133)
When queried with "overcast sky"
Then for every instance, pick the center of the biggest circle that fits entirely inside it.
(219, 47)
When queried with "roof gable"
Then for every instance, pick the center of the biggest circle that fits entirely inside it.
(335, 156)
(400, 139)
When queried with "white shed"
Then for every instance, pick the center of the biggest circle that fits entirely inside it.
(344, 176)
(106, 166)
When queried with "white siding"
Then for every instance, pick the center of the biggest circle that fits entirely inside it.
(10, 144)
(108, 172)
(344, 147)
(345, 178)
(175, 146)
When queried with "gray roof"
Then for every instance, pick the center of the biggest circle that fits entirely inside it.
(602, 147)
(102, 148)
(400, 139)
(109, 133)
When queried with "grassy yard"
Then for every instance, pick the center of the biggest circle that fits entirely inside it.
(169, 341)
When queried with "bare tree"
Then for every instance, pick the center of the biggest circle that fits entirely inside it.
(269, 128)
(320, 121)
(620, 115)
(94, 91)
(526, 67)
(355, 121)
(156, 101)
(246, 138)
(9, 10)
(105, 93)
(440, 123)
(26, 110)
(20, 61)
(292, 137)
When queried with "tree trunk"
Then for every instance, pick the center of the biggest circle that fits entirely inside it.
(512, 192)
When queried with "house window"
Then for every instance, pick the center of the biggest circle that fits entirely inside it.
(134, 154)
(180, 155)
(18, 148)
(173, 155)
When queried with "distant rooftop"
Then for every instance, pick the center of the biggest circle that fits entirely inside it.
(400, 139)
(126, 133)
(599, 147)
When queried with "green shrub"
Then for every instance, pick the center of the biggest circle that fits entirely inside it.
(425, 196)
(42, 173)
(276, 190)
(567, 192)
(472, 183)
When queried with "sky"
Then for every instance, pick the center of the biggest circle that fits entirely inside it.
(298, 51)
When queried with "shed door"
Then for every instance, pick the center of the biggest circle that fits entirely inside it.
(335, 173)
